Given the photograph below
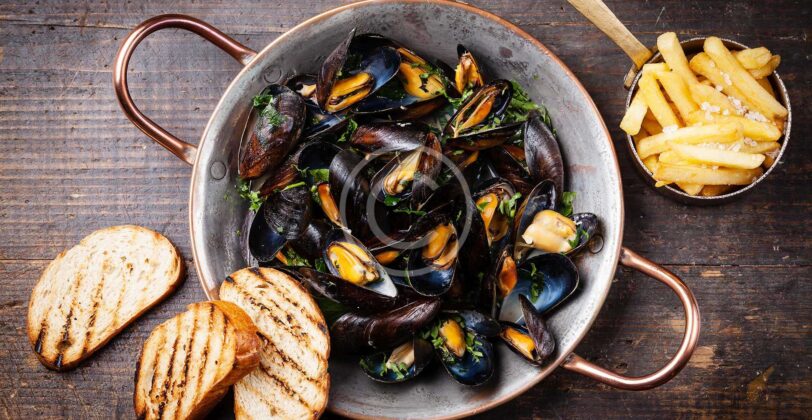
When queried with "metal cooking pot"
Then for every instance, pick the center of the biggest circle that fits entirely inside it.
(435, 26)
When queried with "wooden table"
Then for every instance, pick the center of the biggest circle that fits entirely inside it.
(71, 163)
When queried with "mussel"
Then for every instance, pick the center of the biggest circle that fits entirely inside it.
(542, 153)
(499, 282)
(419, 78)
(349, 188)
(386, 138)
(533, 341)
(385, 330)
(487, 103)
(506, 163)
(540, 227)
(546, 280)
(497, 203)
(356, 298)
(348, 259)
(339, 87)
(467, 75)
(400, 364)
(410, 174)
(276, 131)
(466, 355)
(431, 268)
(283, 216)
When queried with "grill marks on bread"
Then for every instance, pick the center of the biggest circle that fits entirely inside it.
(292, 381)
(188, 363)
(92, 291)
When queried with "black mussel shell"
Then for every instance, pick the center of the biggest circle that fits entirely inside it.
(476, 321)
(486, 139)
(383, 285)
(330, 69)
(316, 156)
(542, 153)
(310, 243)
(418, 77)
(347, 180)
(500, 281)
(376, 69)
(468, 73)
(284, 175)
(475, 255)
(535, 329)
(321, 124)
(275, 133)
(386, 137)
(264, 242)
(493, 98)
(358, 299)
(304, 85)
(476, 364)
(588, 223)
(510, 168)
(547, 280)
(288, 211)
(427, 167)
(375, 364)
(499, 229)
(352, 332)
(542, 197)
(434, 275)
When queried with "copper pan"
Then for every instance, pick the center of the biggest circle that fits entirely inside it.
(505, 51)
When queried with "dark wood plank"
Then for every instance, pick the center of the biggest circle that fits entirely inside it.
(70, 163)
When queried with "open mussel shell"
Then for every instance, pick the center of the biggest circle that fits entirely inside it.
(476, 321)
(348, 259)
(348, 182)
(497, 204)
(499, 282)
(311, 242)
(486, 103)
(467, 74)
(315, 156)
(487, 138)
(509, 167)
(283, 216)
(533, 341)
(330, 69)
(377, 67)
(386, 138)
(410, 174)
(546, 280)
(587, 222)
(542, 197)
(358, 299)
(466, 355)
(385, 330)
(431, 267)
(263, 241)
(542, 154)
(399, 364)
(272, 132)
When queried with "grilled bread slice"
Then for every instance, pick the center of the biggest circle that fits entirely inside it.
(189, 362)
(292, 381)
(92, 291)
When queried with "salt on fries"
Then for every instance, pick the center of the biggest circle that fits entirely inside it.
(708, 122)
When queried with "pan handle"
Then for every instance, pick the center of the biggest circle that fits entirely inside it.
(178, 147)
(600, 15)
(631, 259)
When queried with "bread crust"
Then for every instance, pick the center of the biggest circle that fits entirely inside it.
(38, 326)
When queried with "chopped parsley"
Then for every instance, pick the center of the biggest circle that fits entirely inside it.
(566, 203)
(410, 211)
(319, 175)
(245, 191)
(471, 345)
(273, 116)
(580, 236)
(320, 265)
(293, 259)
(536, 283)
(262, 100)
(508, 207)
(481, 206)
(399, 369)
(391, 201)
(348, 132)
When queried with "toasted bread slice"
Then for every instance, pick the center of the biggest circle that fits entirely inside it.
(292, 381)
(189, 362)
(92, 291)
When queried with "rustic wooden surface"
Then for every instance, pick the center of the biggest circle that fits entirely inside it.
(71, 163)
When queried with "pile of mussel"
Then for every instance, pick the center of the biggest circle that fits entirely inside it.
(422, 205)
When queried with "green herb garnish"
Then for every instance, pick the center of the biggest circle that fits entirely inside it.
(262, 100)
(293, 259)
(348, 132)
(581, 235)
(508, 207)
(566, 203)
(294, 185)
(320, 265)
(481, 206)
(319, 175)
(391, 201)
(410, 211)
(254, 200)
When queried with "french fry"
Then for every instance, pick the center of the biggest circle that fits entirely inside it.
(690, 189)
(753, 58)
(706, 176)
(656, 101)
(765, 83)
(741, 78)
(651, 125)
(654, 67)
(651, 163)
(633, 118)
(769, 161)
(674, 56)
(639, 136)
(678, 91)
(722, 133)
(756, 130)
(714, 190)
(761, 147)
(766, 69)
(702, 64)
(703, 93)
(670, 156)
(717, 157)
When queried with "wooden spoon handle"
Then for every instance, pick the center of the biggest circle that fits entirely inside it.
(600, 15)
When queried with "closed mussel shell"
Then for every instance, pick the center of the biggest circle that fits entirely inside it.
(542, 154)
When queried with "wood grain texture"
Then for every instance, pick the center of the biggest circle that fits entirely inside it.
(70, 163)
